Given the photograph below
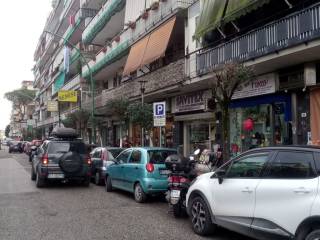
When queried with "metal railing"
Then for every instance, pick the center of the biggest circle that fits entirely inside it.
(295, 29)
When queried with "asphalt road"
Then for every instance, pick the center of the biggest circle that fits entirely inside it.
(71, 212)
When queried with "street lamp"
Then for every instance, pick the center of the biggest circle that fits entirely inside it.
(142, 89)
(91, 83)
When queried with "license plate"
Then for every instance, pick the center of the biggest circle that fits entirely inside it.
(56, 175)
(165, 172)
(175, 193)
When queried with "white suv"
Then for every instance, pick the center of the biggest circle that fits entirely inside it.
(268, 193)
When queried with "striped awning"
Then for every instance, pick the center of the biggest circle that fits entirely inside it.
(216, 13)
(150, 48)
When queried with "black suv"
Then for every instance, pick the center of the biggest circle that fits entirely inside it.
(62, 157)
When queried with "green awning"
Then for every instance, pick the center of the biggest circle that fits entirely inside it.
(238, 8)
(210, 17)
(215, 13)
(59, 82)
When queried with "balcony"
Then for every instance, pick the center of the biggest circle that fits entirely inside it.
(298, 28)
(157, 83)
(109, 12)
(73, 84)
(116, 50)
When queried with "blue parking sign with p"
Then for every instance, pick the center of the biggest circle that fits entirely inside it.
(159, 109)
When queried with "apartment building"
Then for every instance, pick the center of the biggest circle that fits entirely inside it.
(280, 40)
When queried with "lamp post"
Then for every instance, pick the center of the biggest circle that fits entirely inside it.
(142, 89)
(91, 84)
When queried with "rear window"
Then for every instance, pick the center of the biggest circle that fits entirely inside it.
(64, 147)
(159, 156)
(115, 152)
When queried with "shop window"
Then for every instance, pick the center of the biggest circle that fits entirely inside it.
(291, 78)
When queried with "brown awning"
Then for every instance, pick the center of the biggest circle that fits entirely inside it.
(136, 55)
(315, 115)
(158, 42)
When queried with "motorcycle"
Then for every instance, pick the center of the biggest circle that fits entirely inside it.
(33, 149)
(179, 180)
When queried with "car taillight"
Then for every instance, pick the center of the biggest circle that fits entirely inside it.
(177, 179)
(150, 167)
(45, 159)
(89, 160)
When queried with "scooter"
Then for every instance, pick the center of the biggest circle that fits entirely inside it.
(179, 180)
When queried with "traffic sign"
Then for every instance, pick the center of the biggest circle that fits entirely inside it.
(159, 114)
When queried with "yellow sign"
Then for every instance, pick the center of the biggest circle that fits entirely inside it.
(52, 106)
(67, 96)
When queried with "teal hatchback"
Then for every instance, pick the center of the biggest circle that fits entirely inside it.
(141, 171)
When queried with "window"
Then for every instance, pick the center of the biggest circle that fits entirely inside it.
(248, 167)
(292, 165)
(135, 157)
(123, 157)
(64, 147)
(159, 156)
(97, 153)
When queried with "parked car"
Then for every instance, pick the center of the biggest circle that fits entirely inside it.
(62, 157)
(102, 157)
(267, 193)
(15, 146)
(141, 171)
(31, 147)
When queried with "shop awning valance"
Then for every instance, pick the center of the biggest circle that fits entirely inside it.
(215, 13)
(150, 48)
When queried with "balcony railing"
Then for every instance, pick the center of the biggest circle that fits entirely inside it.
(289, 31)
(101, 18)
(72, 84)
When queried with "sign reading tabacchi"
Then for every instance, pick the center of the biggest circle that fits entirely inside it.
(67, 96)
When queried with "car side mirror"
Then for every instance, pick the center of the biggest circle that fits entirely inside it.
(220, 174)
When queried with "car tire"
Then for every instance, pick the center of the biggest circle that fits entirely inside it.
(86, 182)
(97, 179)
(109, 187)
(139, 194)
(314, 235)
(201, 218)
(33, 175)
(177, 210)
(40, 182)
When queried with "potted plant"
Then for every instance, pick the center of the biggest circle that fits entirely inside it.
(154, 6)
(132, 24)
(145, 14)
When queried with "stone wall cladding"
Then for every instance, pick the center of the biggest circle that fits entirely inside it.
(167, 76)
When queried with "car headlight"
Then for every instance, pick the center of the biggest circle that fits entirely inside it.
(104, 168)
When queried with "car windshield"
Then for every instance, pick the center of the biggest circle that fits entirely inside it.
(159, 156)
(64, 147)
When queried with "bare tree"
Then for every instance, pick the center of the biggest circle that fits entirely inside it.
(226, 81)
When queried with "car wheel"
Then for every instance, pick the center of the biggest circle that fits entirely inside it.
(86, 182)
(40, 182)
(200, 217)
(97, 179)
(139, 194)
(109, 187)
(177, 210)
(33, 175)
(314, 235)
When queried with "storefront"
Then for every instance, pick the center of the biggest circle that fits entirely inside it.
(199, 127)
(261, 119)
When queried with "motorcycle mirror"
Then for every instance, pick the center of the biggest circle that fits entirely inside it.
(191, 158)
(196, 152)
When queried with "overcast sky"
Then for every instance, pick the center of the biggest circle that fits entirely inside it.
(21, 23)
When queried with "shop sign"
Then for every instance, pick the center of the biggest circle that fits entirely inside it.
(52, 106)
(264, 84)
(67, 96)
(159, 114)
(190, 102)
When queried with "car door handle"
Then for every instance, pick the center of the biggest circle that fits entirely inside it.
(136, 168)
(301, 190)
(122, 166)
(247, 190)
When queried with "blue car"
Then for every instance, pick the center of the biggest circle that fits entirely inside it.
(141, 171)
